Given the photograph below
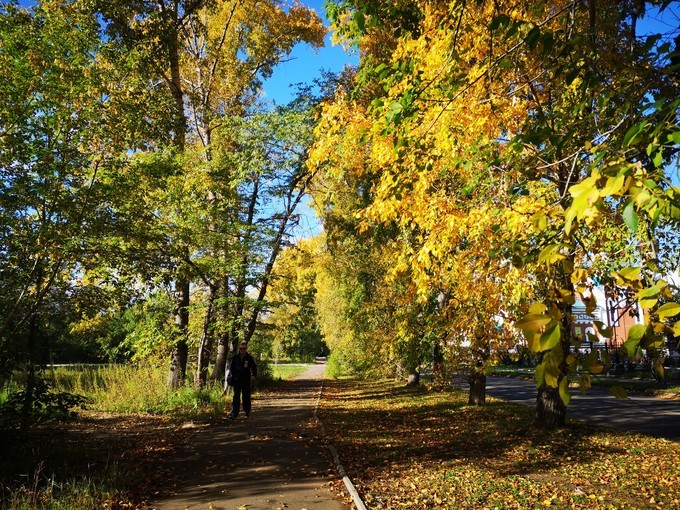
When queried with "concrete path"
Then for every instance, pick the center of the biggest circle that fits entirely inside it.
(273, 460)
(647, 415)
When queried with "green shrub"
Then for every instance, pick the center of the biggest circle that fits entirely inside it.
(334, 366)
(43, 404)
(264, 371)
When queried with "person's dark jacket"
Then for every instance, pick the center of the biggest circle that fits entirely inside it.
(241, 369)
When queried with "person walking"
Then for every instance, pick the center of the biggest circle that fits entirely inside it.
(243, 371)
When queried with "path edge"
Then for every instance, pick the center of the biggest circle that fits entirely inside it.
(356, 498)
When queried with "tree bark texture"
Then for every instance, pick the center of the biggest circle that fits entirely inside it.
(205, 346)
(477, 395)
(550, 410)
(180, 352)
(413, 379)
(223, 337)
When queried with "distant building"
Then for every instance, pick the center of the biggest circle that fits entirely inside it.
(616, 309)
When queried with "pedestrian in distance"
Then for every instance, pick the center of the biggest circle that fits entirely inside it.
(243, 372)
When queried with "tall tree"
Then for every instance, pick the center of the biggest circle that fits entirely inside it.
(61, 89)
(271, 155)
(296, 332)
(527, 119)
(211, 58)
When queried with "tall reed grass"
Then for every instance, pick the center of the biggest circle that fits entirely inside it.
(77, 493)
(137, 389)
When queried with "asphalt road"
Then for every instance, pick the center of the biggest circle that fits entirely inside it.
(647, 415)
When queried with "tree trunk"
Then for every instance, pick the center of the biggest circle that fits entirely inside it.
(413, 379)
(221, 359)
(205, 345)
(438, 369)
(477, 396)
(180, 352)
(225, 335)
(29, 396)
(550, 410)
(175, 85)
(31, 346)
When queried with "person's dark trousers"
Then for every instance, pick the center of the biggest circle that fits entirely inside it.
(236, 403)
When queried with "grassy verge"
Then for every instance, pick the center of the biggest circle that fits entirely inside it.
(416, 449)
(286, 371)
(133, 389)
(98, 459)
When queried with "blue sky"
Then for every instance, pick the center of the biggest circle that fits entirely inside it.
(304, 64)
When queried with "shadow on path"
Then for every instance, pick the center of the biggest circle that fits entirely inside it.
(273, 460)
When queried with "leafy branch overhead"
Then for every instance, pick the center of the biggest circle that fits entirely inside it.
(514, 150)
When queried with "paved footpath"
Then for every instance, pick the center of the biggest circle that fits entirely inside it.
(281, 465)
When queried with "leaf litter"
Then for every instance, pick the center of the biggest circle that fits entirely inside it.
(412, 449)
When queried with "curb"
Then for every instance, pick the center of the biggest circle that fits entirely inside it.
(358, 503)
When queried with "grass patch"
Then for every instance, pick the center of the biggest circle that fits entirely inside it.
(415, 449)
(97, 459)
(138, 389)
(285, 371)
(77, 493)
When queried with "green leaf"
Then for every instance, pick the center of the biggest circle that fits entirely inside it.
(653, 341)
(635, 336)
(548, 42)
(550, 338)
(668, 310)
(648, 297)
(618, 392)
(532, 37)
(657, 367)
(603, 329)
(629, 274)
(614, 185)
(550, 254)
(500, 20)
(569, 219)
(633, 134)
(539, 374)
(533, 322)
(537, 309)
(550, 378)
(564, 391)
(630, 217)
(360, 20)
